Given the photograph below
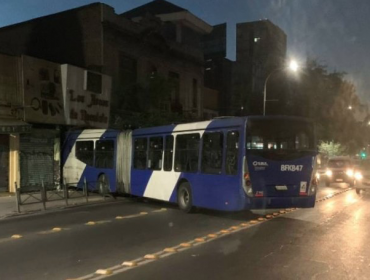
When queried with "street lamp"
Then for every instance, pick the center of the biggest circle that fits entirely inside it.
(349, 107)
(292, 66)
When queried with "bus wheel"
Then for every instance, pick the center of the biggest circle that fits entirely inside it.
(103, 184)
(184, 197)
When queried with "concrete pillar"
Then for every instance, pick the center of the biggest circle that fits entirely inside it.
(14, 168)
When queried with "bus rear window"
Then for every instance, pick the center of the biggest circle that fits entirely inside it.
(279, 134)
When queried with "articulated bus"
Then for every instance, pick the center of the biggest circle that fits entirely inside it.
(227, 164)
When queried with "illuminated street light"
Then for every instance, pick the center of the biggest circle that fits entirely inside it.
(349, 107)
(292, 66)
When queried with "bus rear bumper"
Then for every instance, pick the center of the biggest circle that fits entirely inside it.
(280, 202)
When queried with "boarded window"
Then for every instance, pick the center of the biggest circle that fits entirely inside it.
(140, 153)
(104, 154)
(155, 153)
(232, 152)
(187, 153)
(212, 153)
(85, 152)
(168, 153)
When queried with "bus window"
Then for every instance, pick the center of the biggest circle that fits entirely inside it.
(85, 152)
(168, 153)
(212, 153)
(155, 153)
(187, 152)
(140, 153)
(104, 154)
(232, 152)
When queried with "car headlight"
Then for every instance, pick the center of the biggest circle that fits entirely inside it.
(329, 173)
(349, 172)
(358, 176)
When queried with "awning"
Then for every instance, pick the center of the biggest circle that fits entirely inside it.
(8, 126)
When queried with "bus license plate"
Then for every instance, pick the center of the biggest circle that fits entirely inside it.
(281, 188)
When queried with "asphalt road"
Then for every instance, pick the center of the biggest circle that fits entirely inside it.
(327, 242)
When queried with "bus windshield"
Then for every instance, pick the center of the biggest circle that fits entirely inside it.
(280, 134)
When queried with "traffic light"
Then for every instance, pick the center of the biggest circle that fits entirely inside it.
(363, 155)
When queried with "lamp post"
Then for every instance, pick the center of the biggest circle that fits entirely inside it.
(293, 66)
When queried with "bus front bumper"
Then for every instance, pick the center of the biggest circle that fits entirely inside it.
(280, 202)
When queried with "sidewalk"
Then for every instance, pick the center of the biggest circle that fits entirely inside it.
(8, 205)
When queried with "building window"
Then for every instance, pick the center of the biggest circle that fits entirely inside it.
(256, 39)
(140, 153)
(127, 70)
(232, 152)
(155, 153)
(187, 153)
(174, 79)
(168, 153)
(93, 82)
(85, 152)
(195, 93)
(104, 154)
(212, 153)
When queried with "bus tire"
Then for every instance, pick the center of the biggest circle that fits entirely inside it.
(184, 197)
(103, 185)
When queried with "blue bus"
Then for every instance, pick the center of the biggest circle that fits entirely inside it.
(227, 164)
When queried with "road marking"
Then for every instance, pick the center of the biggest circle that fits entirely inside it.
(57, 229)
(91, 223)
(126, 265)
(16, 236)
(130, 264)
(104, 272)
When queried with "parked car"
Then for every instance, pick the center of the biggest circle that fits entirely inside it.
(363, 173)
(340, 170)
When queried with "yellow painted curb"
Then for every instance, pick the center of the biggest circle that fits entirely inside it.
(130, 264)
(282, 212)
(253, 222)
(90, 223)
(269, 216)
(234, 228)
(275, 214)
(103, 272)
(119, 218)
(16, 236)
(244, 224)
(170, 250)
(56, 229)
(186, 245)
(212, 235)
(151, 257)
(143, 213)
(224, 231)
(261, 219)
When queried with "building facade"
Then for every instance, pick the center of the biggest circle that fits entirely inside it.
(39, 101)
(158, 38)
(260, 49)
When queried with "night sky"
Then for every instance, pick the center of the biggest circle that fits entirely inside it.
(335, 32)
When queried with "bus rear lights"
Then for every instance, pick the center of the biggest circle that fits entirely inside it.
(303, 194)
(259, 194)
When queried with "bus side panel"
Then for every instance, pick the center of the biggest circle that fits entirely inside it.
(219, 192)
(76, 172)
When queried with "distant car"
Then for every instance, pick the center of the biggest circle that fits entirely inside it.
(363, 174)
(340, 170)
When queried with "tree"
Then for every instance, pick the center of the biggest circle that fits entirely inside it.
(331, 149)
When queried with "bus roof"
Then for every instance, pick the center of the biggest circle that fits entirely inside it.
(217, 123)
